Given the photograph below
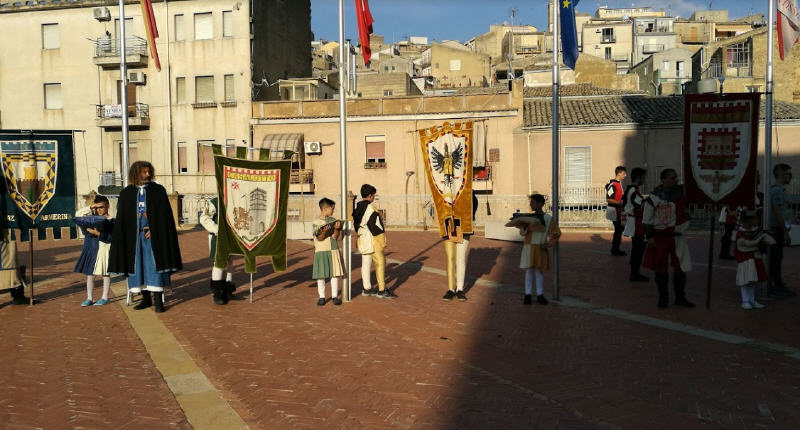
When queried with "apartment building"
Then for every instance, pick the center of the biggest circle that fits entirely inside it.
(453, 65)
(652, 35)
(611, 40)
(63, 72)
(665, 72)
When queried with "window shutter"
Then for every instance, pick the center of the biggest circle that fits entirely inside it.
(50, 36)
(52, 96)
(204, 89)
(229, 88)
(180, 90)
(376, 148)
(183, 166)
(203, 26)
(205, 153)
(227, 23)
(179, 28)
(578, 162)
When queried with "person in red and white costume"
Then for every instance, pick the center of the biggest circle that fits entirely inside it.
(665, 219)
(634, 209)
(614, 213)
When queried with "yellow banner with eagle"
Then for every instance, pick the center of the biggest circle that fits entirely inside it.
(447, 151)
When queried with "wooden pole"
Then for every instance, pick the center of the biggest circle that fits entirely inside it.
(710, 256)
(30, 233)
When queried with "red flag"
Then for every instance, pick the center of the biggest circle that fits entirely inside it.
(364, 18)
(152, 31)
(788, 26)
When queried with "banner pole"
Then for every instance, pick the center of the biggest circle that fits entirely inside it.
(123, 91)
(30, 233)
(555, 148)
(346, 292)
(714, 209)
(768, 116)
(251, 288)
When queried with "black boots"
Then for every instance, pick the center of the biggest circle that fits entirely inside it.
(219, 289)
(662, 279)
(18, 296)
(158, 302)
(147, 301)
(679, 281)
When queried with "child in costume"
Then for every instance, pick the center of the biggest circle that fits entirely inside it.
(93, 260)
(540, 233)
(371, 243)
(222, 290)
(327, 259)
(750, 270)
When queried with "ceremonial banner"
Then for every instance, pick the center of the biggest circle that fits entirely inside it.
(788, 26)
(447, 152)
(720, 148)
(252, 210)
(38, 183)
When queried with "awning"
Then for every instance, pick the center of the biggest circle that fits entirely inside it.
(278, 143)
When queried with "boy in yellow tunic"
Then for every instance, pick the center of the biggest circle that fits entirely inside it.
(540, 234)
(327, 259)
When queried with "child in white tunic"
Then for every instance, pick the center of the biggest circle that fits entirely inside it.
(750, 267)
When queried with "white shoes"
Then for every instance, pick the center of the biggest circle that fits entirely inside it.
(752, 305)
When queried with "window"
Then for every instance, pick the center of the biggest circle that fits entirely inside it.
(387, 93)
(179, 34)
(385, 68)
(455, 65)
(180, 90)
(393, 67)
(230, 148)
(203, 26)
(608, 53)
(375, 149)
(679, 68)
(666, 66)
(229, 95)
(608, 35)
(50, 36)
(738, 60)
(128, 28)
(183, 160)
(204, 89)
(437, 66)
(205, 156)
(227, 23)
(52, 96)
(133, 155)
(577, 174)
(300, 93)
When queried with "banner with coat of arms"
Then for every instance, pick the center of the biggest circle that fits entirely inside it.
(253, 198)
(447, 152)
(720, 148)
(38, 184)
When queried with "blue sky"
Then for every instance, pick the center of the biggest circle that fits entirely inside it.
(463, 19)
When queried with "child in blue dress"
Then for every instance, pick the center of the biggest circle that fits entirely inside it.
(93, 260)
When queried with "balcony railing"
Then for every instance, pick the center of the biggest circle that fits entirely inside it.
(110, 116)
(609, 39)
(301, 176)
(107, 51)
(649, 48)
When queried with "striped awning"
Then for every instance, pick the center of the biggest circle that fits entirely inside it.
(277, 144)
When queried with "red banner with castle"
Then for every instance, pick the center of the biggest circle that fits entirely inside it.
(720, 147)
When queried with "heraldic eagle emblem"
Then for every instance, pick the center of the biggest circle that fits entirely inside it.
(447, 163)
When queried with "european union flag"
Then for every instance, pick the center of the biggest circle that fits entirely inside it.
(569, 32)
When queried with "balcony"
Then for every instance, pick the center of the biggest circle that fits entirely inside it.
(609, 39)
(107, 52)
(301, 181)
(109, 117)
(651, 48)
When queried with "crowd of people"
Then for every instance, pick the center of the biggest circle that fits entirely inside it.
(142, 243)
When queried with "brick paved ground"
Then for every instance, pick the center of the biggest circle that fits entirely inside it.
(415, 362)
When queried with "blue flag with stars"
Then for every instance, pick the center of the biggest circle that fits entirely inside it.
(569, 32)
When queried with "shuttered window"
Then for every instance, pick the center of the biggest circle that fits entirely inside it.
(203, 26)
(578, 166)
(227, 23)
(179, 28)
(180, 90)
(133, 155)
(229, 96)
(204, 89)
(128, 29)
(205, 156)
(52, 96)
(50, 36)
(183, 160)
(376, 149)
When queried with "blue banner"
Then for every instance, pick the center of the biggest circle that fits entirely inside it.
(37, 190)
(569, 32)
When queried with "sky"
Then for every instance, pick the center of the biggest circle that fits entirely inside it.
(463, 19)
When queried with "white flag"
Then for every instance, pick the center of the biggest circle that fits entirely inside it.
(788, 26)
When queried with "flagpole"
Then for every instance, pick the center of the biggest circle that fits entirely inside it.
(123, 71)
(768, 114)
(555, 169)
(343, 152)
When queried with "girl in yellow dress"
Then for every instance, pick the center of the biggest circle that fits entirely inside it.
(540, 234)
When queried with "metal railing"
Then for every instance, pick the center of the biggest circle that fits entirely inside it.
(138, 110)
(609, 39)
(108, 47)
(301, 176)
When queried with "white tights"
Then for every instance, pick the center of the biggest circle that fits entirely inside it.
(462, 253)
(90, 286)
(216, 274)
(334, 287)
(530, 273)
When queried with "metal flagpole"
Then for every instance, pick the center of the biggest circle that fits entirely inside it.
(556, 149)
(768, 123)
(123, 71)
(343, 151)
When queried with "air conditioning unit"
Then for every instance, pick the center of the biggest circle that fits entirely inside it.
(138, 78)
(313, 147)
(101, 14)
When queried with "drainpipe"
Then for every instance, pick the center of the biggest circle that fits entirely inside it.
(530, 185)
